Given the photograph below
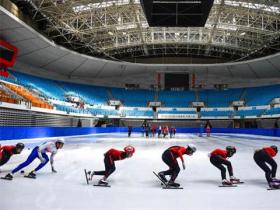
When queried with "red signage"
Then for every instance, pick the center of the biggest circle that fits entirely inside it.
(8, 54)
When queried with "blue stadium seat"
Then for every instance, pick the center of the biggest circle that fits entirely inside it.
(176, 98)
(46, 86)
(139, 98)
(273, 111)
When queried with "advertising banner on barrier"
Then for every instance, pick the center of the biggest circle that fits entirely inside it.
(177, 116)
(9, 133)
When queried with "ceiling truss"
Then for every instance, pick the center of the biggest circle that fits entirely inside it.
(235, 30)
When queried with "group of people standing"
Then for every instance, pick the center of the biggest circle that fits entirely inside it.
(218, 158)
(154, 130)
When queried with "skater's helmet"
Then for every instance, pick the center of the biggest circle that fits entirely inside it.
(129, 149)
(191, 148)
(19, 147)
(60, 140)
(59, 143)
(231, 150)
(274, 148)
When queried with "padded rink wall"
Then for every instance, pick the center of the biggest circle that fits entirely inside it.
(9, 133)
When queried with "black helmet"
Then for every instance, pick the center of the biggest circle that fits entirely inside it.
(274, 148)
(231, 149)
(20, 146)
(191, 148)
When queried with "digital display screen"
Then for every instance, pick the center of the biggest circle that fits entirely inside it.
(6, 53)
(176, 81)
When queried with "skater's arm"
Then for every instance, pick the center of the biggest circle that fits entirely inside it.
(181, 151)
(52, 157)
(183, 165)
(52, 161)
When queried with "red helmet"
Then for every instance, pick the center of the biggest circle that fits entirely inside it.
(129, 149)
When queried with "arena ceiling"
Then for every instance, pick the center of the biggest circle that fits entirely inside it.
(117, 29)
(41, 56)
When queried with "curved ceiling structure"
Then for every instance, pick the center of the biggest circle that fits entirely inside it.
(236, 30)
(41, 53)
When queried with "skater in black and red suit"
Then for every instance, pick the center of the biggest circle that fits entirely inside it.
(111, 156)
(169, 157)
(218, 158)
(7, 151)
(264, 157)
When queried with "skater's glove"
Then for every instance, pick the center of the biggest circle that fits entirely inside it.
(184, 167)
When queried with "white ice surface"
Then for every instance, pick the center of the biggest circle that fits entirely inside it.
(134, 187)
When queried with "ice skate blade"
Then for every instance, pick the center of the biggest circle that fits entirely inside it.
(238, 182)
(6, 178)
(101, 185)
(273, 188)
(30, 177)
(87, 180)
(173, 188)
(233, 185)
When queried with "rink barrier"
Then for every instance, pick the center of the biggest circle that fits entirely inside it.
(8, 133)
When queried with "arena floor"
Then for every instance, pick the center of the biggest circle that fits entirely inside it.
(133, 186)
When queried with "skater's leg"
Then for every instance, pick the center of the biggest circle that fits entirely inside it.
(102, 173)
(176, 170)
(110, 170)
(4, 157)
(258, 157)
(33, 155)
(168, 159)
(41, 165)
(216, 161)
(229, 166)
(1, 155)
(109, 167)
(273, 164)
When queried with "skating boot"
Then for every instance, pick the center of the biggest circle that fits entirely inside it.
(275, 180)
(173, 184)
(8, 177)
(102, 182)
(226, 182)
(161, 175)
(31, 175)
(91, 174)
(234, 180)
(274, 185)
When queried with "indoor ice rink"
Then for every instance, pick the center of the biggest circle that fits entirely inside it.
(133, 185)
(77, 77)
